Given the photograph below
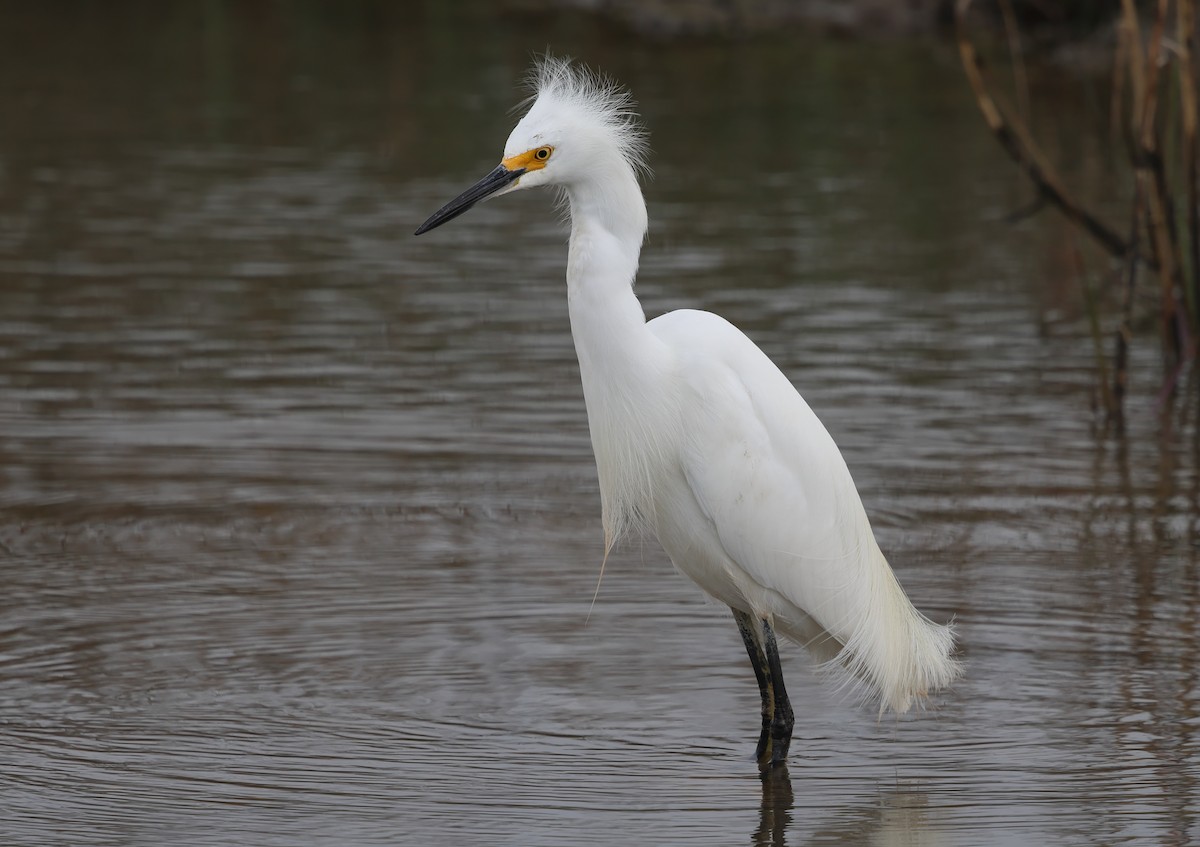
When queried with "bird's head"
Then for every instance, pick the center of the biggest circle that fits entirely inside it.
(578, 125)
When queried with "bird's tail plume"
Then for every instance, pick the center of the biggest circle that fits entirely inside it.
(877, 646)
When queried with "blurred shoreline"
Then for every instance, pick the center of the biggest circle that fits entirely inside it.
(1068, 21)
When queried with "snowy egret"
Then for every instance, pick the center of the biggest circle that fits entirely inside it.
(701, 439)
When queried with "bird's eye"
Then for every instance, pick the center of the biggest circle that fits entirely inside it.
(542, 153)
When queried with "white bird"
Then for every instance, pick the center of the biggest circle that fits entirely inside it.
(701, 439)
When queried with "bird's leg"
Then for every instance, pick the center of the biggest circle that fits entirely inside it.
(781, 717)
(758, 660)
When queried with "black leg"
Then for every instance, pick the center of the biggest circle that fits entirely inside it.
(758, 660)
(781, 717)
(777, 718)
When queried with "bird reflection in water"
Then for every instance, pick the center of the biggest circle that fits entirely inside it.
(900, 815)
(776, 811)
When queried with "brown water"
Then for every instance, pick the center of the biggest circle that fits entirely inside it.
(299, 520)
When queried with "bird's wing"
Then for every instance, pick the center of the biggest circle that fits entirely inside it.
(768, 475)
(773, 485)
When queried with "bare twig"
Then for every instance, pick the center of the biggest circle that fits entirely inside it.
(1125, 331)
(1143, 103)
(1186, 25)
(1150, 174)
(1027, 211)
(1020, 81)
(1118, 127)
(1093, 314)
(1016, 140)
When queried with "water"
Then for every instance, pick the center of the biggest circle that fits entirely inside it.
(299, 521)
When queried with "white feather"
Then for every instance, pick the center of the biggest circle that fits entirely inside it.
(782, 522)
(701, 439)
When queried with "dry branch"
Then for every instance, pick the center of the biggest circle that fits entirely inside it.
(1150, 174)
(1017, 141)
(1143, 104)
(1186, 23)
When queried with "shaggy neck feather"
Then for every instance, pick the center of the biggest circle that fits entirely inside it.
(619, 358)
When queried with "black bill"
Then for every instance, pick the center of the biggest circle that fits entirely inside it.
(490, 184)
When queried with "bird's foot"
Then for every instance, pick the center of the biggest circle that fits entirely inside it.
(763, 750)
(772, 751)
(773, 743)
(773, 756)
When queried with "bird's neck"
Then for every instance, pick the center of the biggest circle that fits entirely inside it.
(621, 362)
(608, 223)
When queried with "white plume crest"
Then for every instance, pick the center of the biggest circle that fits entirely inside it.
(563, 86)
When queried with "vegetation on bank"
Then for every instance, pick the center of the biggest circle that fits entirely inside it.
(1043, 20)
(1154, 112)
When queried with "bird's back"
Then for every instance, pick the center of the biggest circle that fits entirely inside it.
(781, 510)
